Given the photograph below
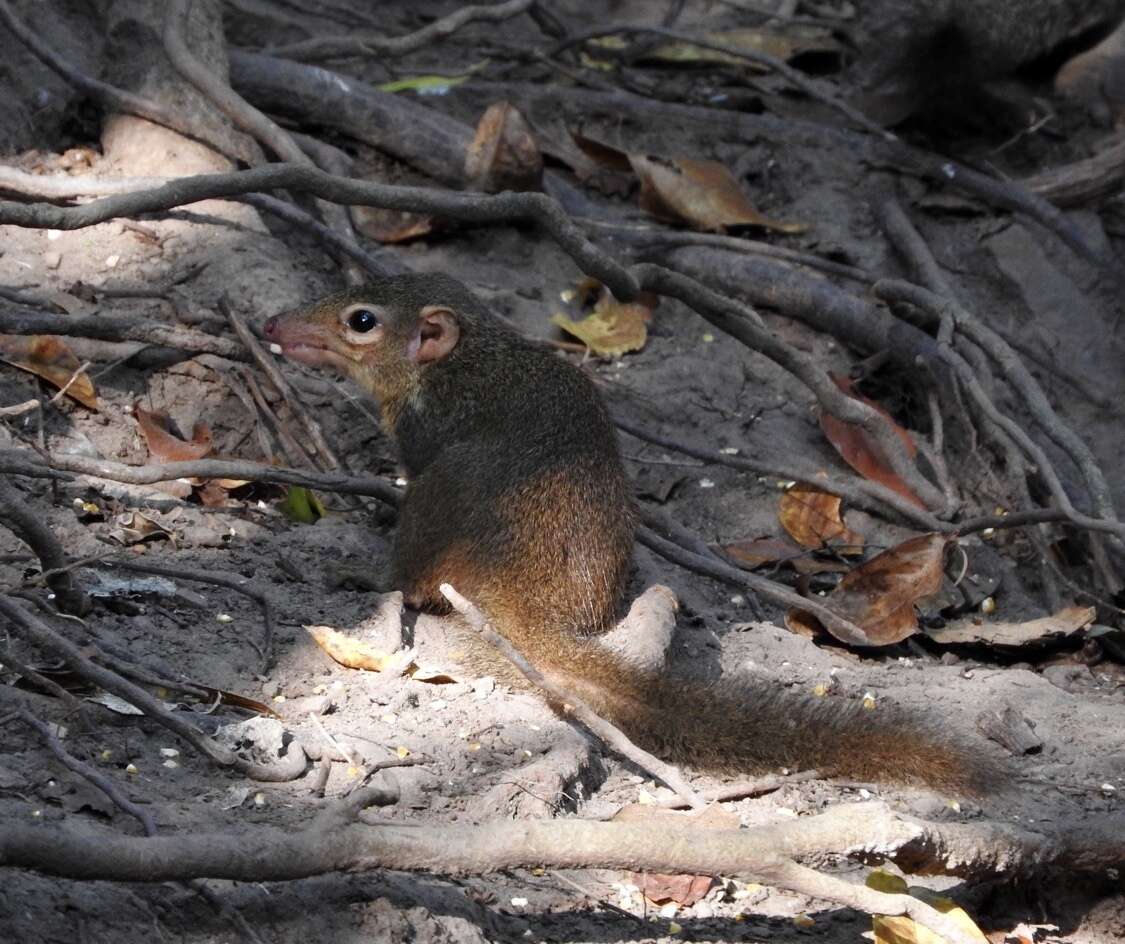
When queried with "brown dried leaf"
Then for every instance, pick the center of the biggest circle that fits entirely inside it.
(759, 551)
(755, 553)
(702, 194)
(132, 527)
(504, 154)
(974, 630)
(357, 654)
(164, 446)
(49, 357)
(614, 328)
(391, 226)
(879, 596)
(813, 519)
(606, 155)
(860, 451)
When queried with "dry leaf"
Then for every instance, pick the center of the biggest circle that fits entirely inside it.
(433, 675)
(504, 154)
(132, 528)
(606, 155)
(754, 553)
(813, 519)
(759, 551)
(613, 328)
(165, 446)
(1063, 623)
(861, 452)
(391, 226)
(49, 357)
(357, 654)
(879, 596)
(899, 929)
(702, 194)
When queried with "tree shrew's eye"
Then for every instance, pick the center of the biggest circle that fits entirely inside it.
(362, 319)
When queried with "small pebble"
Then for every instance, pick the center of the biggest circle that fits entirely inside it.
(51, 260)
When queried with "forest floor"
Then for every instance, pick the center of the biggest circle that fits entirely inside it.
(487, 752)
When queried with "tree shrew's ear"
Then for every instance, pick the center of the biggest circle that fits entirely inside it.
(437, 334)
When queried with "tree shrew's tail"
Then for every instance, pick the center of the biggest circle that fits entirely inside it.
(745, 726)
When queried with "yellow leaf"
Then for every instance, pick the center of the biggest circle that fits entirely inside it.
(612, 328)
(898, 929)
(355, 653)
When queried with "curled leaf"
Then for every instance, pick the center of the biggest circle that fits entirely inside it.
(391, 226)
(859, 450)
(132, 527)
(357, 654)
(879, 596)
(702, 194)
(613, 328)
(758, 552)
(974, 630)
(504, 154)
(49, 357)
(165, 446)
(813, 519)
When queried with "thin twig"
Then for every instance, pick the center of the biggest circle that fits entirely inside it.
(372, 44)
(35, 630)
(794, 76)
(612, 736)
(268, 364)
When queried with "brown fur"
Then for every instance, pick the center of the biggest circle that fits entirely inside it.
(517, 496)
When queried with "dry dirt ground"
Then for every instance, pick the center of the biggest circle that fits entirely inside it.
(488, 751)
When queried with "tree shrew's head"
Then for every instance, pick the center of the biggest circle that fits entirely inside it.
(383, 335)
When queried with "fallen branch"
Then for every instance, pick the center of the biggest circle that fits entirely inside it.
(21, 462)
(867, 832)
(119, 328)
(1087, 181)
(30, 528)
(428, 140)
